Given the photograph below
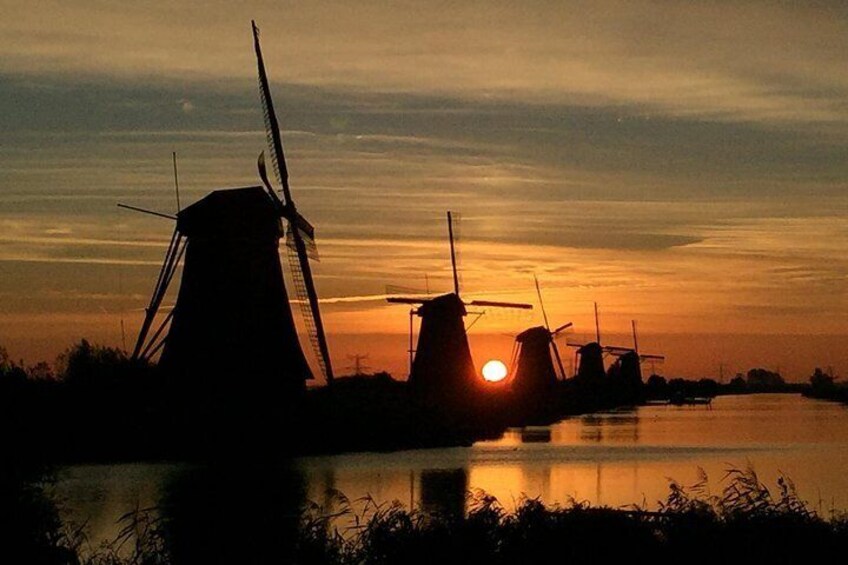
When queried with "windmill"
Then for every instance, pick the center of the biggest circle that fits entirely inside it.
(232, 315)
(589, 357)
(533, 368)
(627, 362)
(442, 364)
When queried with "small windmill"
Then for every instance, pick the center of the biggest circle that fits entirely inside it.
(533, 370)
(442, 364)
(627, 359)
(589, 357)
(628, 364)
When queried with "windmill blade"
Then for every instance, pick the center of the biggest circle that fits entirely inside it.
(145, 211)
(646, 357)
(494, 304)
(272, 126)
(541, 302)
(616, 350)
(558, 359)
(453, 254)
(263, 174)
(406, 300)
(563, 327)
(308, 300)
(308, 242)
(297, 249)
(288, 212)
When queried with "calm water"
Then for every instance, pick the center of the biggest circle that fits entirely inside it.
(615, 458)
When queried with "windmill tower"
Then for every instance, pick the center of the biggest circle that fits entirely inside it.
(534, 355)
(442, 366)
(232, 316)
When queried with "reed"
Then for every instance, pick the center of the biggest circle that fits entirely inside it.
(747, 522)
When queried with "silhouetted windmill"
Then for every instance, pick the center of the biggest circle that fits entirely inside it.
(589, 357)
(628, 359)
(442, 365)
(232, 314)
(628, 365)
(532, 367)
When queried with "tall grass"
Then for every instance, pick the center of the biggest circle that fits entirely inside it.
(746, 522)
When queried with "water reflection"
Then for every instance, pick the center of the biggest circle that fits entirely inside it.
(233, 514)
(617, 459)
(443, 491)
(532, 434)
(613, 427)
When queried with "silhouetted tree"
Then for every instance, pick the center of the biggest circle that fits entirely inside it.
(11, 374)
(85, 363)
(738, 383)
(763, 378)
(656, 387)
(821, 380)
(657, 381)
(41, 371)
(707, 388)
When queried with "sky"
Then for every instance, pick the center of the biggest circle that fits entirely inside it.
(682, 164)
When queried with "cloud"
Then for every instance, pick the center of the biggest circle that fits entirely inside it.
(680, 163)
(751, 61)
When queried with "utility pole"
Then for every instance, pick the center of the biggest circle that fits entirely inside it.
(357, 367)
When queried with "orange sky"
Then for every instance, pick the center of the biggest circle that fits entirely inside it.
(682, 165)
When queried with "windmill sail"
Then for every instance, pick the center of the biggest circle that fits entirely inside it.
(551, 334)
(297, 237)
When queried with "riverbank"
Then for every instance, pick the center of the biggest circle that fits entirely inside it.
(140, 416)
(832, 393)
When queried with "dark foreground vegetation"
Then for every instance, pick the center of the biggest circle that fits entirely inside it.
(745, 523)
(824, 386)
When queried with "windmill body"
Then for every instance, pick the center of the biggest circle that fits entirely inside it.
(232, 316)
(627, 368)
(534, 368)
(442, 360)
(591, 364)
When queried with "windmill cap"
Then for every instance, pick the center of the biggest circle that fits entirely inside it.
(450, 304)
(537, 332)
(235, 213)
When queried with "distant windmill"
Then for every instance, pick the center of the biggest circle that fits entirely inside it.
(627, 362)
(358, 368)
(532, 368)
(589, 357)
(442, 365)
(232, 315)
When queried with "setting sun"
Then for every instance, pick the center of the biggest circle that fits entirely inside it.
(494, 371)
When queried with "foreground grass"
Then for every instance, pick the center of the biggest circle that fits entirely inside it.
(745, 523)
